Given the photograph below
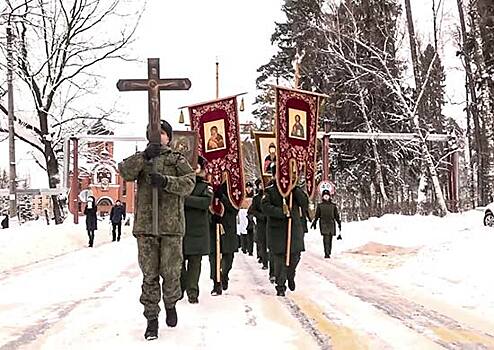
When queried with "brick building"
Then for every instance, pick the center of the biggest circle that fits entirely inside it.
(98, 172)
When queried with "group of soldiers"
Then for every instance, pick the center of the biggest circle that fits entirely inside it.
(188, 230)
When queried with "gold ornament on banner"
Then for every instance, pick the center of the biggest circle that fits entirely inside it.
(181, 118)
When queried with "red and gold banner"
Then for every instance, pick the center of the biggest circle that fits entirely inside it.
(297, 114)
(218, 129)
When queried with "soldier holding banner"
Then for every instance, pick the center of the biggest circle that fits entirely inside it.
(278, 213)
(229, 242)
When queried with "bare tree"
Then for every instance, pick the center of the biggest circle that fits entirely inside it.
(59, 45)
(379, 68)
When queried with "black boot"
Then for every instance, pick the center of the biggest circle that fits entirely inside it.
(224, 283)
(291, 284)
(280, 291)
(171, 316)
(216, 289)
(152, 330)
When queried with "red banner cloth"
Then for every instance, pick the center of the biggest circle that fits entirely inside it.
(297, 114)
(219, 142)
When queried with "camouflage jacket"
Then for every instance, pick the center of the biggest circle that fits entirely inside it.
(180, 183)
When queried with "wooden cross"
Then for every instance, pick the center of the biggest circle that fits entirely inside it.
(153, 84)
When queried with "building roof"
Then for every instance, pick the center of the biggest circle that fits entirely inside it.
(99, 128)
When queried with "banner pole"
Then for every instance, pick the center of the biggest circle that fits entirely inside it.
(218, 254)
(289, 233)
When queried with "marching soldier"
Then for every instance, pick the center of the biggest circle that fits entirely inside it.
(196, 238)
(159, 255)
(277, 213)
(327, 212)
(229, 242)
(256, 210)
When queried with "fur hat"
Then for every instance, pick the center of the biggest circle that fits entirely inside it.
(166, 127)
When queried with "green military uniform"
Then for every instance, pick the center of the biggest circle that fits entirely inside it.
(256, 210)
(327, 212)
(160, 255)
(277, 232)
(229, 242)
(196, 239)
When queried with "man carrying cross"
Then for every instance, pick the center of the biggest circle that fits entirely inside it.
(164, 178)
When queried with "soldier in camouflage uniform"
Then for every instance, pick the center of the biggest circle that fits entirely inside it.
(277, 214)
(196, 239)
(159, 255)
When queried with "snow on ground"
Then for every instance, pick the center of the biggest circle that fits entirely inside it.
(35, 241)
(58, 294)
(450, 258)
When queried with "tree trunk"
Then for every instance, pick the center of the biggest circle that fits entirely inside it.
(413, 45)
(485, 109)
(52, 171)
(472, 109)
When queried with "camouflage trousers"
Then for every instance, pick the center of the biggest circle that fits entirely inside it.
(159, 256)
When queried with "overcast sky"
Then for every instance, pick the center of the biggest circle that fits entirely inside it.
(188, 35)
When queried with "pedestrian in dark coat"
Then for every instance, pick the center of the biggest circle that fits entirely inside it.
(327, 212)
(277, 212)
(91, 219)
(5, 221)
(249, 244)
(117, 214)
(256, 210)
(229, 243)
(196, 238)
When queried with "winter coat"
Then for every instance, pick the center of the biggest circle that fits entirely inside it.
(327, 212)
(277, 222)
(256, 210)
(229, 240)
(243, 222)
(91, 219)
(180, 181)
(117, 214)
(196, 238)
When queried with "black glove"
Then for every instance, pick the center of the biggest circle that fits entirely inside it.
(313, 226)
(339, 238)
(152, 151)
(158, 180)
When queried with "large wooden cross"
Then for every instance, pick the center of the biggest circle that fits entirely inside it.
(153, 84)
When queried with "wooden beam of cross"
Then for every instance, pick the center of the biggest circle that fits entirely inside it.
(153, 84)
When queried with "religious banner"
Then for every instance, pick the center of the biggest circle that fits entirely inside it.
(186, 143)
(217, 126)
(266, 153)
(297, 114)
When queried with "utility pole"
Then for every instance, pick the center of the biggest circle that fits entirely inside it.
(10, 96)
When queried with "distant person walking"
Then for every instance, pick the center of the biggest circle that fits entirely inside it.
(5, 221)
(117, 214)
(328, 213)
(91, 219)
